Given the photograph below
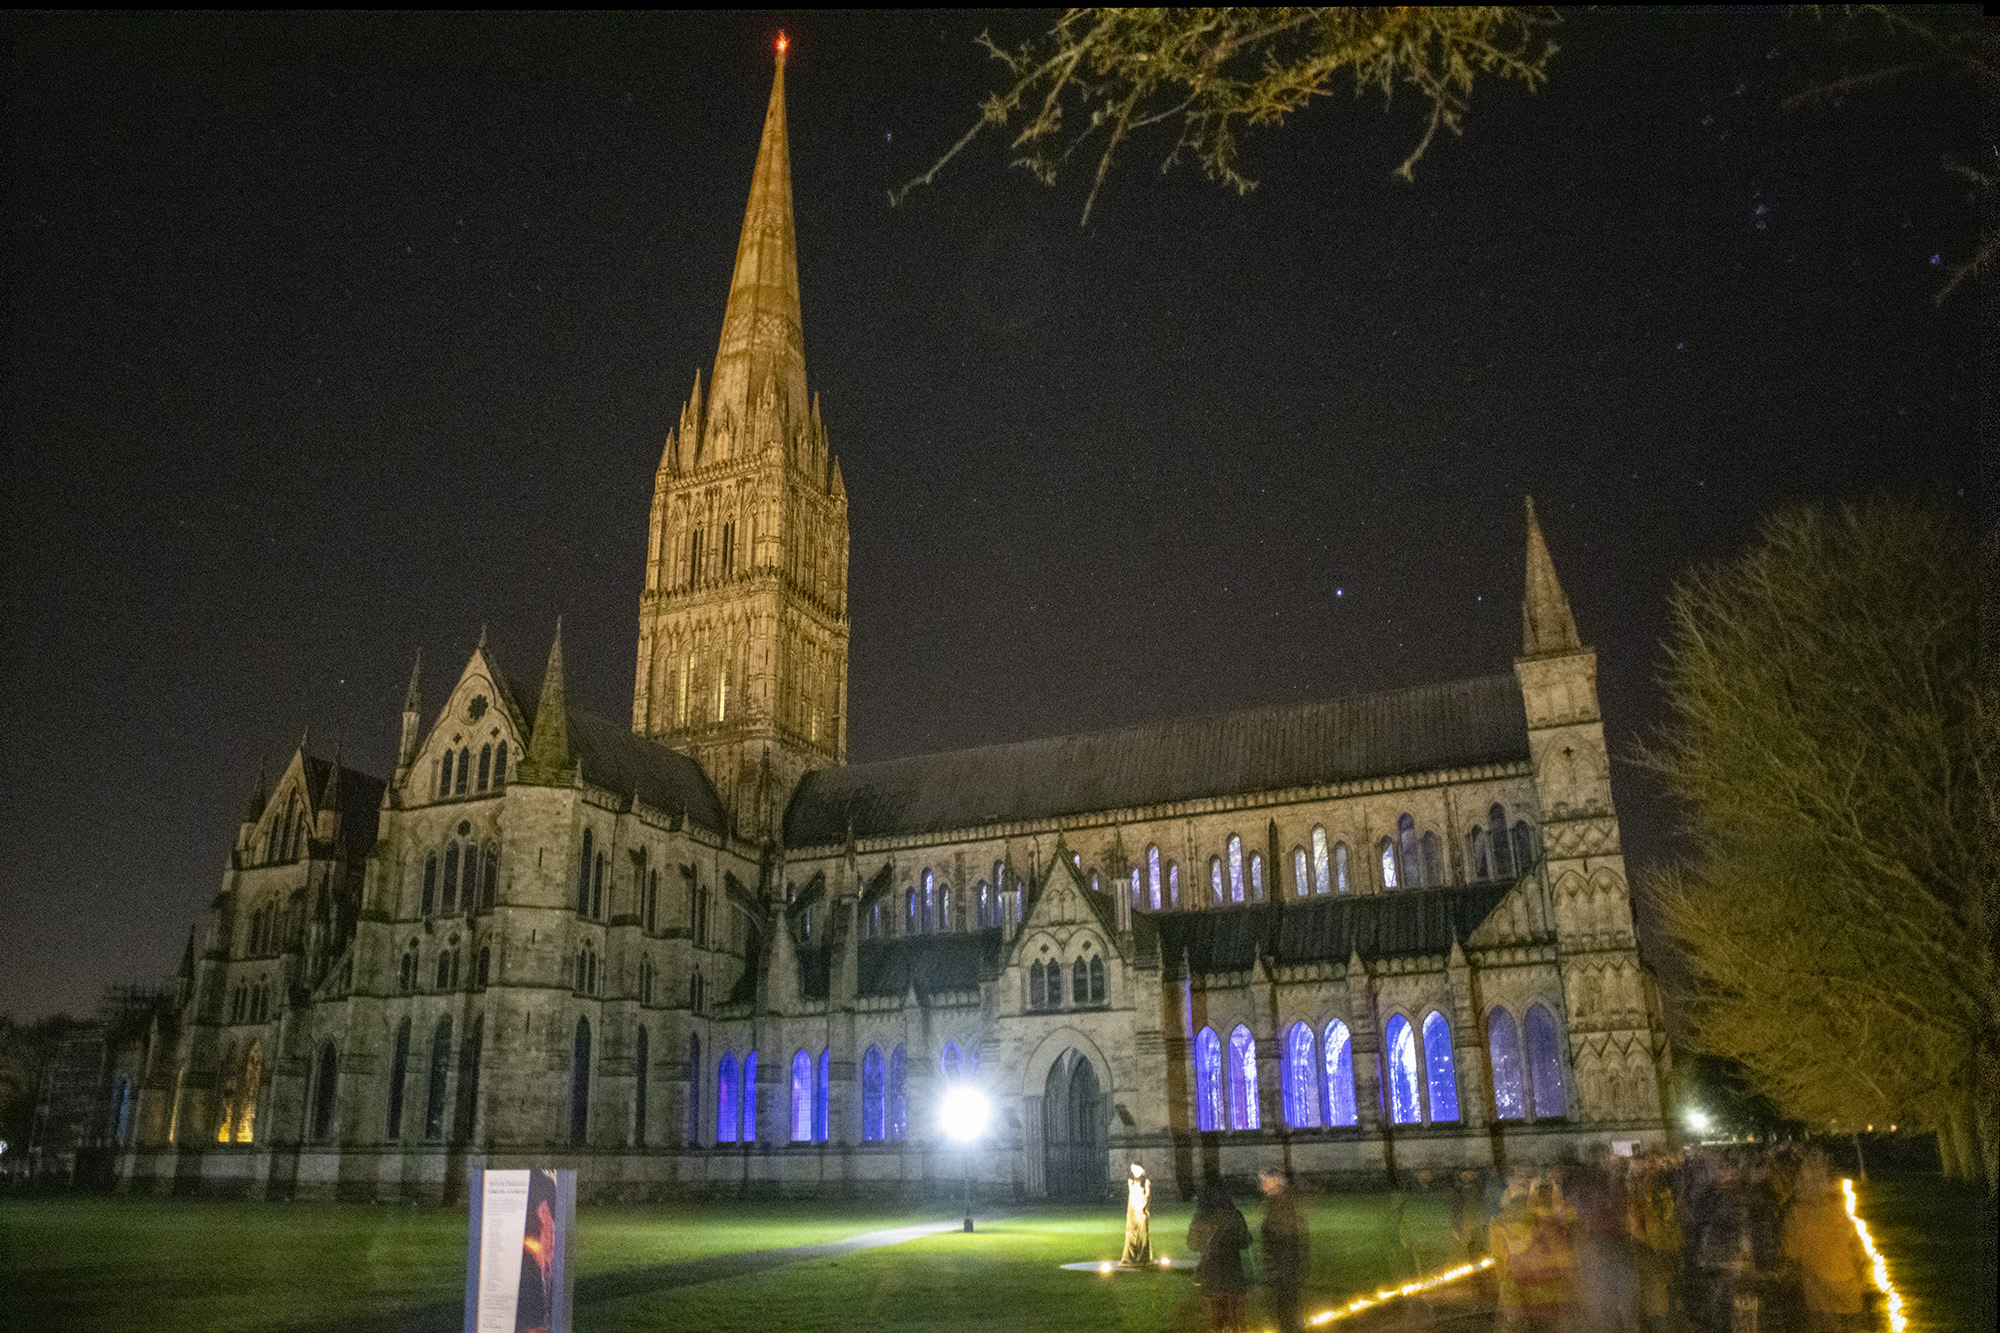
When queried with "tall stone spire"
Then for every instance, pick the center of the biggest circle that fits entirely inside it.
(763, 338)
(548, 746)
(1547, 626)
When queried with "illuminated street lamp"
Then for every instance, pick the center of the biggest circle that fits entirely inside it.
(964, 1115)
(1699, 1122)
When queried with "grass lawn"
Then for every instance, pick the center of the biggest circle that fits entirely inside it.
(1008, 1275)
(91, 1264)
(1938, 1240)
(98, 1265)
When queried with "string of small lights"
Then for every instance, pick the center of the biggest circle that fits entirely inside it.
(1880, 1266)
(1359, 1303)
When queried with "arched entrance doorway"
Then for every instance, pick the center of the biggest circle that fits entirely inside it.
(1075, 1161)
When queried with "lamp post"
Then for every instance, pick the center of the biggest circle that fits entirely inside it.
(964, 1116)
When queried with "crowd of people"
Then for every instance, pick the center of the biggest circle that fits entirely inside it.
(1738, 1240)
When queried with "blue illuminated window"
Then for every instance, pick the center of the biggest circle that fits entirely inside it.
(1207, 1080)
(1438, 1069)
(1301, 1077)
(1405, 1104)
(1339, 1075)
(1242, 1079)
(1503, 1048)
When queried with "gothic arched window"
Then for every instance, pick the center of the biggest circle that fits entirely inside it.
(1242, 1079)
(1217, 893)
(1478, 855)
(1097, 980)
(1173, 884)
(641, 1071)
(484, 976)
(694, 1090)
(444, 775)
(500, 766)
(485, 765)
(1524, 847)
(399, 1069)
(1301, 1077)
(1432, 860)
(430, 884)
(930, 893)
(434, 1102)
(1079, 982)
(1235, 869)
(1497, 844)
(1407, 860)
(909, 911)
(597, 889)
(489, 885)
(1256, 877)
(1339, 1075)
(1503, 1048)
(1038, 986)
(1545, 1078)
(1301, 879)
(899, 1098)
(463, 780)
(450, 899)
(583, 877)
(802, 1097)
(873, 1096)
(750, 1097)
(406, 971)
(1153, 878)
(1340, 867)
(326, 1092)
(1207, 1080)
(1388, 863)
(1405, 1102)
(725, 1099)
(944, 907)
(579, 1084)
(950, 1062)
(822, 1092)
(1440, 1072)
(1320, 871)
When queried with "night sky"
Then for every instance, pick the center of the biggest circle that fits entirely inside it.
(327, 338)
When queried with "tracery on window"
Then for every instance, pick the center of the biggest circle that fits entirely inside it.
(1242, 1079)
(1545, 1070)
(1503, 1049)
(1339, 1048)
(1405, 1101)
(1439, 1069)
(1153, 877)
(1301, 1078)
(1235, 869)
(1208, 1112)
(899, 1100)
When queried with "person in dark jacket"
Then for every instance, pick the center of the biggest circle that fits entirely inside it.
(1285, 1249)
(1219, 1235)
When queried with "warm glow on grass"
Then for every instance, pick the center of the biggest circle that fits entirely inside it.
(1878, 1265)
(1360, 1303)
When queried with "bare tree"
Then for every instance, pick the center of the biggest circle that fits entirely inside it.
(1827, 740)
(1102, 76)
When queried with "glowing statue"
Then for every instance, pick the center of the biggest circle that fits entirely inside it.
(1138, 1220)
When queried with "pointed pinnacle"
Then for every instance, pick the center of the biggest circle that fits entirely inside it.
(413, 699)
(1547, 626)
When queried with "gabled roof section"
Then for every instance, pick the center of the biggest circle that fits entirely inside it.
(616, 759)
(1454, 724)
(1328, 930)
(357, 795)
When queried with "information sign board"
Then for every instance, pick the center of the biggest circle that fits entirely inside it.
(517, 1266)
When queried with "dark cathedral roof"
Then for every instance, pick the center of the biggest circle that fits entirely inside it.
(952, 961)
(1328, 930)
(357, 796)
(1427, 727)
(616, 758)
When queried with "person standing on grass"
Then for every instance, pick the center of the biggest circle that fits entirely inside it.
(1219, 1235)
(1819, 1239)
(1285, 1250)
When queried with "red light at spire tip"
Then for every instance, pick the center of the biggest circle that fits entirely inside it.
(783, 42)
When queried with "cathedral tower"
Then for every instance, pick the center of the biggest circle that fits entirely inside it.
(743, 622)
(1617, 1042)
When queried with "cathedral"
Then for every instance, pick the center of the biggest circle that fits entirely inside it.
(703, 953)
